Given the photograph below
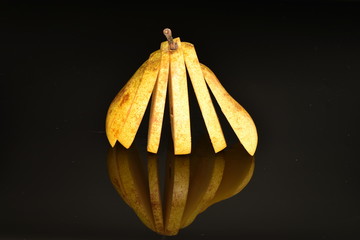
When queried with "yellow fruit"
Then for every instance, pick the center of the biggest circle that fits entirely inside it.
(239, 119)
(158, 100)
(203, 96)
(168, 68)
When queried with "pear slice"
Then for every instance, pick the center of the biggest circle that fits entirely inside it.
(155, 193)
(158, 100)
(119, 107)
(135, 185)
(239, 119)
(206, 171)
(203, 97)
(141, 99)
(179, 102)
(176, 191)
(239, 168)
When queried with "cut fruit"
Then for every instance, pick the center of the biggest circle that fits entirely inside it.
(136, 112)
(239, 119)
(155, 193)
(203, 97)
(239, 168)
(176, 191)
(119, 107)
(158, 100)
(179, 102)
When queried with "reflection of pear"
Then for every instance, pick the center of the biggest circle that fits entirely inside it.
(176, 191)
(206, 174)
(166, 70)
(134, 184)
(192, 183)
(239, 167)
(155, 193)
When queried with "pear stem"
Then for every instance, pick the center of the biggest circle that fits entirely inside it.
(168, 35)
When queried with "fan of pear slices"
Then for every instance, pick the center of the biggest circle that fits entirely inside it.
(165, 71)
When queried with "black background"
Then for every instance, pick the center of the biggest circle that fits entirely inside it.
(295, 66)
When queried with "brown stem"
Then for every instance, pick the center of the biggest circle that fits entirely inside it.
(168, 35)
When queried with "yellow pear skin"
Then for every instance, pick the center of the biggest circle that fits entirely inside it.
(120, 106)
(176, 192)
(141, 100)
(203, 97)
(158, 100)
(155, 193)
(179, 102)
(239, 119)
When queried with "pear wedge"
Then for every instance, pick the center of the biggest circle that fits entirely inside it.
(179, 102)
(206, 172)
(203, 97)
(158, 100)
(155, 193)
(136, 112)
(135, 185)
(176, 191)
(120, 106)
(239, 168)
(239, 119)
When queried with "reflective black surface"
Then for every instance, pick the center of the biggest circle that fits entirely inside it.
(294, 67)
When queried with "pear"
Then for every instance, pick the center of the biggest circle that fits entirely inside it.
(212, 122)
(176, 191)
(165, 72)
(158, 100)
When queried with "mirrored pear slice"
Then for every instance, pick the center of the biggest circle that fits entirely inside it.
(121, 104)
(155, 193)
(135, 184)
(206, 172)
(239, 168)
(137, 110)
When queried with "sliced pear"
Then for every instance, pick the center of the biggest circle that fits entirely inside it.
(119, 107)
(176, 191)
(141, 99)
(239, 119)
(135, 185)
(155, 193)
(158, 100)
(206, 170)
(239, 168)
(203, 97)
(179, 102)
